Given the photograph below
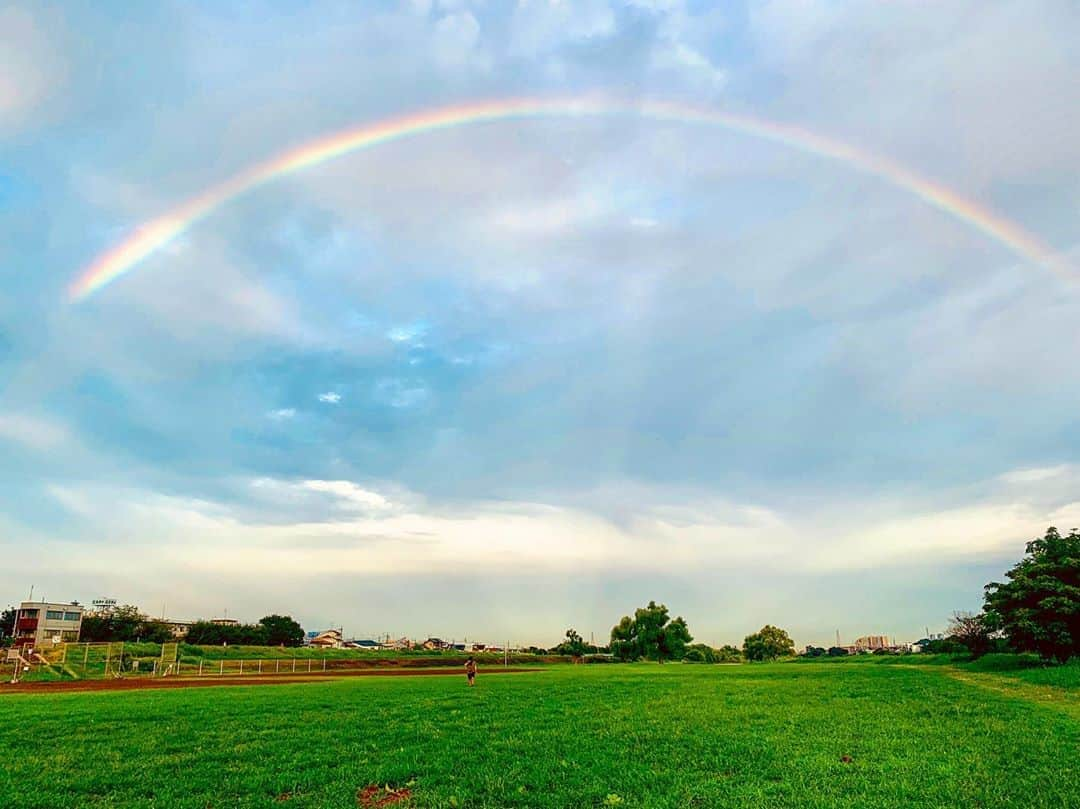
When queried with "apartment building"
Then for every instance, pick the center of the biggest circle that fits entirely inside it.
(40, 624)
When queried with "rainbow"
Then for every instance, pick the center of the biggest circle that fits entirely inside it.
(155, 234)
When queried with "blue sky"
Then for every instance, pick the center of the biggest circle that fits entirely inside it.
(509, 378)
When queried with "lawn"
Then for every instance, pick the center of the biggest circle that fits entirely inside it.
(812, 735)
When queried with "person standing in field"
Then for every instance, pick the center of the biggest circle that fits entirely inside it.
(470, 671)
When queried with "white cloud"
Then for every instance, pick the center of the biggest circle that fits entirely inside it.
(327, 535)
(455, 40)
(32, 431)
(330, 397)
(400, 393)
(541, 26)
(367, 531)
(349, 493)
(282, 413)
(32, 66)
(409, 333)
(1035, 474)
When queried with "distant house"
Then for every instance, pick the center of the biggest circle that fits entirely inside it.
(364, 645)
(178, 628)
(433, 644)
(328, 639)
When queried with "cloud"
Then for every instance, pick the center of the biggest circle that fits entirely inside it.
(330, 397)
(1036, 475)
(33, 68)
(339, 528)
(456, 36)
(282, 414)
(408, 333)
(401, 393)
(33, 431)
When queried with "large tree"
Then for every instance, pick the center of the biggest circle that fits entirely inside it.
(768, 643)
(1038, 608)
(573, 645)
(282, 630)
(651, 633)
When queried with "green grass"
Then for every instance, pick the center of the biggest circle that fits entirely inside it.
(629, 736)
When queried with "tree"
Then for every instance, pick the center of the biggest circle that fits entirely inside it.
(768, 643)
(574, 645)
(673, 639)
(972, 631)
(728, 654)
(7, 623)
(1038, 608)
(121, 623)
(207, 633)
(837, 651)
(156, 632)
(282, 630)
(624, 643)
(815, 651)
(700, 653)
(650, 634)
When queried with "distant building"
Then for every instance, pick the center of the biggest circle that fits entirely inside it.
(872, 642)
(328, 639)
(225, 622)
(177, 627)
(39, 624)
(363, 645)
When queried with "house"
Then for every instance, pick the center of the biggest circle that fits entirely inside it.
(39, 624)
(178, 628)
(327, 639)
(364, 645)
(433, 644)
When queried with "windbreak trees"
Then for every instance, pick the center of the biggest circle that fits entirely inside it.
(1038, 608)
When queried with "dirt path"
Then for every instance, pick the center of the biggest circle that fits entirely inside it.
(143, 683)
(1059, 699)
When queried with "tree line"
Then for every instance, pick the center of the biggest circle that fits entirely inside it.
(126, 623)
(1037, 608)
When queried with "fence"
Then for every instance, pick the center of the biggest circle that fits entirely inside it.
(96, 661)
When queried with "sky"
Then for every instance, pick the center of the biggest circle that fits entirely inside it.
(500, 379)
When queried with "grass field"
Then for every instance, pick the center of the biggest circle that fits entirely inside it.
(810, 735)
